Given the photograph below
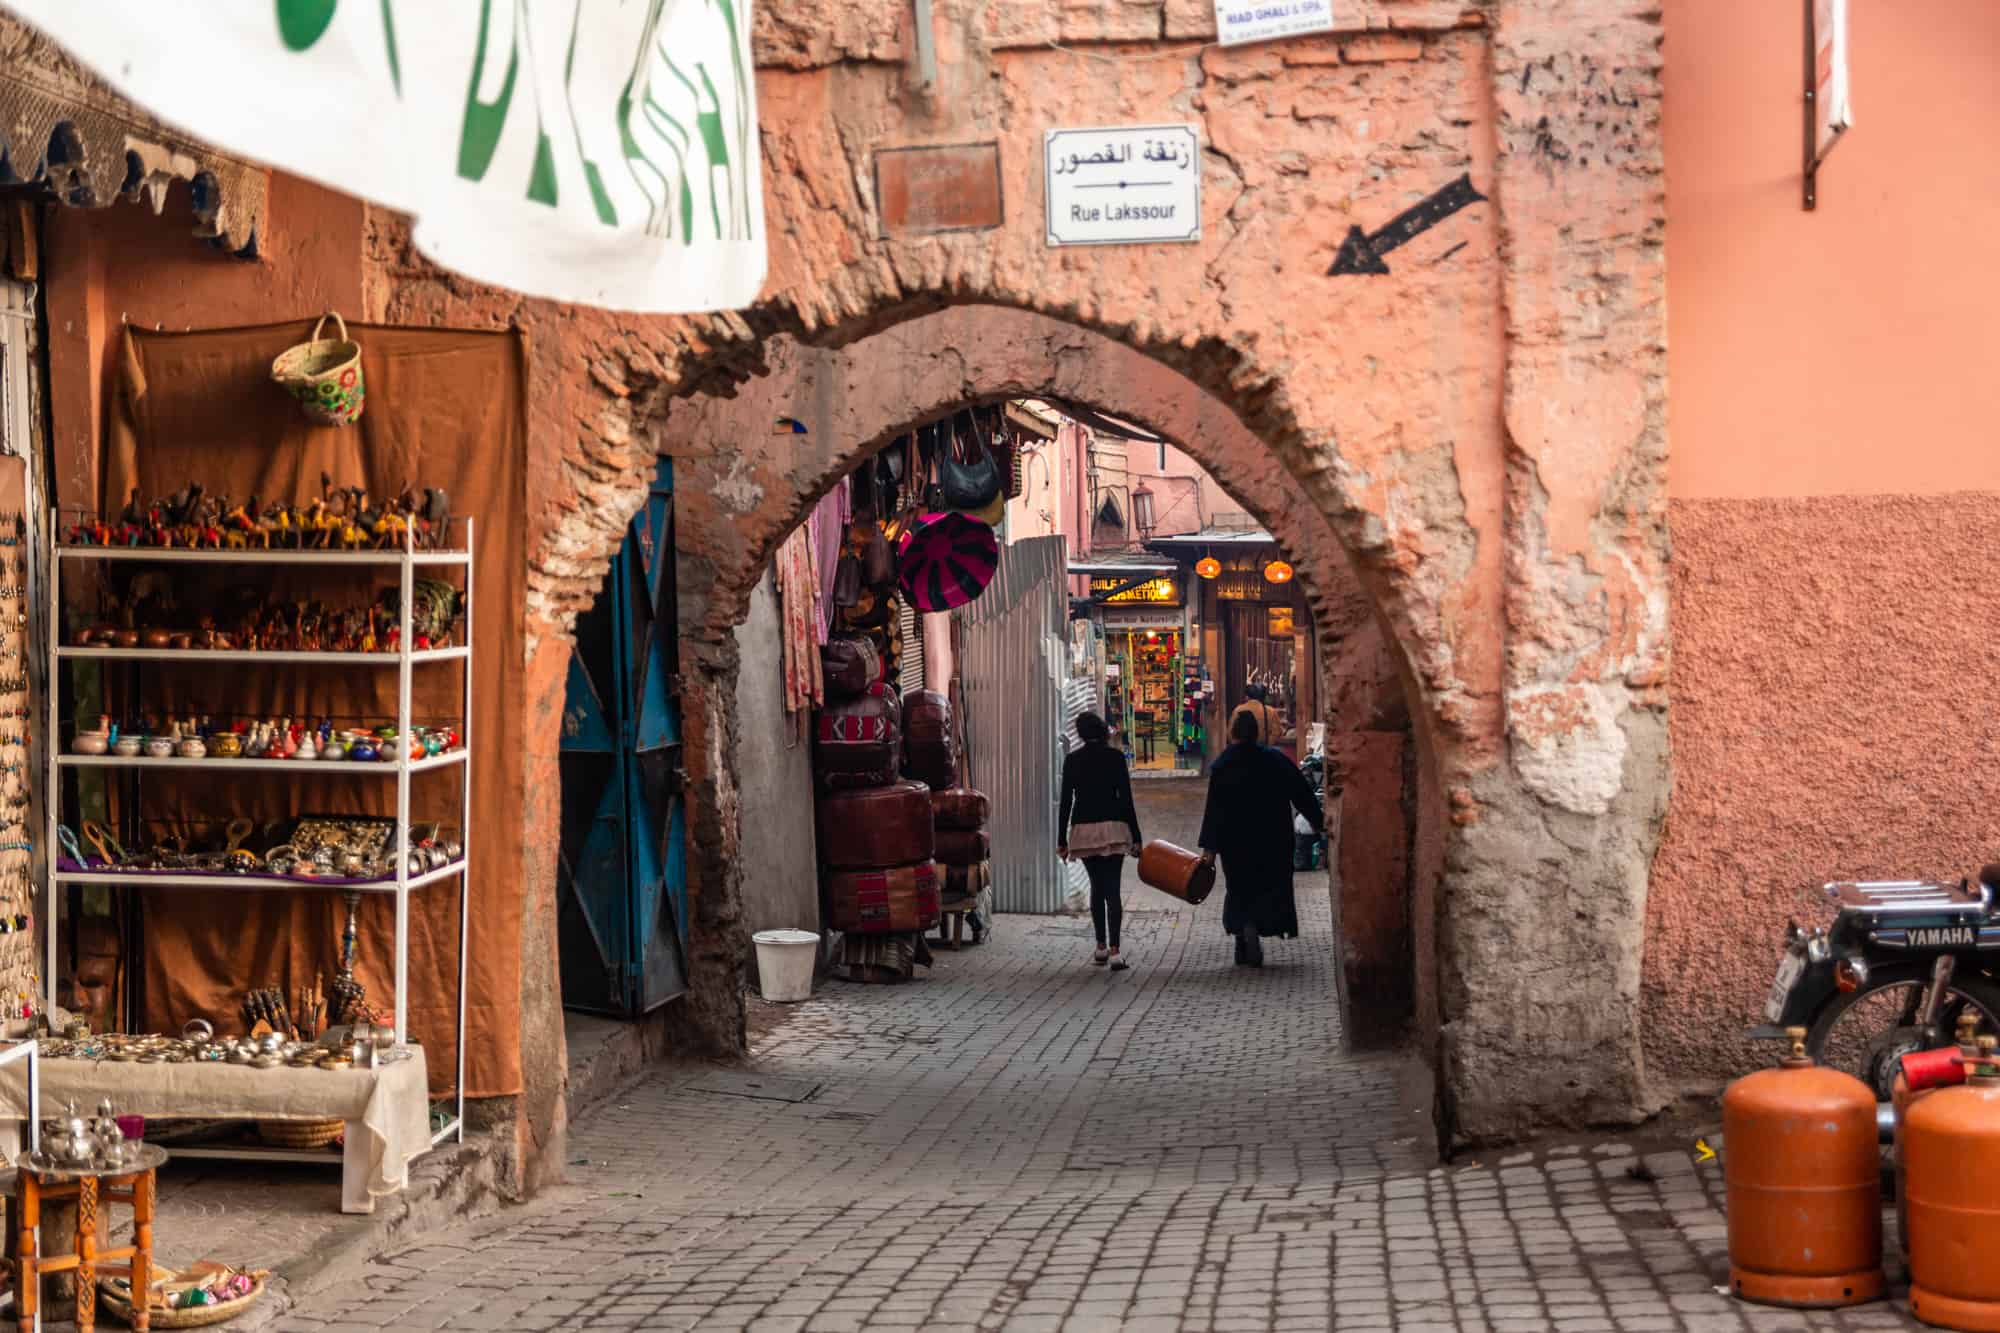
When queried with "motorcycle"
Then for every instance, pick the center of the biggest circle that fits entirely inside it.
(1902, 960)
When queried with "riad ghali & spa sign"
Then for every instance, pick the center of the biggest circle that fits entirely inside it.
(1163, 591)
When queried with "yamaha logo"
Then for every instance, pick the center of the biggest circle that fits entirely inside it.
(1942, 937)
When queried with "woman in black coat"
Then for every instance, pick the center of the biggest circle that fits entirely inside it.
(1252, 791)
(1099, 824)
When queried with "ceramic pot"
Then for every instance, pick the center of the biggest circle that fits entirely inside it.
(128, 746)
(159, 747)
(361, 751)
(181, 641)
(155, 638)
(228, 745)
(91, 742)
(333, 749)
(304, 748)
(125, 638)
(191, 747)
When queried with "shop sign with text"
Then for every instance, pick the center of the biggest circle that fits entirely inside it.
(1155, 592)
(1238, 21)
(1123, 185)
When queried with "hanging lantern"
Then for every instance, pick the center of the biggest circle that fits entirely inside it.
(1277, 572)
(1208, 567)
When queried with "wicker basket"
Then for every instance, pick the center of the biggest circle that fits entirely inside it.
(324, 374)
(115, 1299)
(300, 1133)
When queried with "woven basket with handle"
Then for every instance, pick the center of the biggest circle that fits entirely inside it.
(324, 374)
(115, 1298)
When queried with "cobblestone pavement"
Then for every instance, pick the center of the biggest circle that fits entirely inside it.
(1021, 1141)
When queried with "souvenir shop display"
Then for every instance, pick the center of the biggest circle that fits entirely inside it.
(340, 518)
(141, 751)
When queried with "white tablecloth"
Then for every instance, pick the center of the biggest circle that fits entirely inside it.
(388, 1106)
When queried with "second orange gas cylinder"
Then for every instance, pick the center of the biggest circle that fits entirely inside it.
(1802, 1162)
(1951, 1179)
(1918, 1075)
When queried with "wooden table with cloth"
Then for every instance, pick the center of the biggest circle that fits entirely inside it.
(445, 408)
(386, 1108)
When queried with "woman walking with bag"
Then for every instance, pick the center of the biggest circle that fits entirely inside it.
(1098, 824)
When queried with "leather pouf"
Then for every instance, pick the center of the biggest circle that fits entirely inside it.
(960, 848)
(873, 902)
(876, 826)
(964, 882)
(849, 664)
(959, 808)
(930, 753)
(1176, 870)
(858, 742)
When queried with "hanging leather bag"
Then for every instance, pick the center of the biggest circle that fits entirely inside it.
(878, 560)
(849, 664)
(971, 483)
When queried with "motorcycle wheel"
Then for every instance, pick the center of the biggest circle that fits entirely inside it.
(1866, 1031)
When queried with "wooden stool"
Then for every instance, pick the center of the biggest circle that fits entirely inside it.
(132, 1185)
(951, 924)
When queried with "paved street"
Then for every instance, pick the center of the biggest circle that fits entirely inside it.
(1021, 1141)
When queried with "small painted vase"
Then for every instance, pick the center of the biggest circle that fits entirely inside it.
(224, 745)
(192, 747)
(305, 747)
(160, 747)
(93, 742)
(333, 749)
(127, 747)
(361, 750)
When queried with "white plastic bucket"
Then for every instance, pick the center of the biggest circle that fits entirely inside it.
(785, 960)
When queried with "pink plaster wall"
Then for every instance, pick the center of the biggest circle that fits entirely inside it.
(1836, 690)
(1848, 350)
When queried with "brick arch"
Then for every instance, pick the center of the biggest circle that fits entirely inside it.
(736, 506)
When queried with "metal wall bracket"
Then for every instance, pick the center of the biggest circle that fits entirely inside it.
(927, 45)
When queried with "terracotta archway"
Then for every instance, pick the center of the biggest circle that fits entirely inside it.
(1481, 428)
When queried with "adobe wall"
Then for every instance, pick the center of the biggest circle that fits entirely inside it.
(1481, 428)
(1832, 490)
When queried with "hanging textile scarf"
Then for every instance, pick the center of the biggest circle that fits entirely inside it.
(798, 592)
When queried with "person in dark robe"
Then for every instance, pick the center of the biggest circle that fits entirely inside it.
(1252, 792)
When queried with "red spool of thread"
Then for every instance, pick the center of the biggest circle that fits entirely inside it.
(1933, 1069)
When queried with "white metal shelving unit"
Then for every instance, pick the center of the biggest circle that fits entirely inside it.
(407, 560)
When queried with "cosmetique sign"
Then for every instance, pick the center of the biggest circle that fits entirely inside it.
(1238, 21)
(1123, 185)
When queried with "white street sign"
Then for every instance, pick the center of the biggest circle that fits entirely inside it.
(1125, 185)
(1239, 21)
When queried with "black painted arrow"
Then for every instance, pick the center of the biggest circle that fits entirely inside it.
(1362, 251)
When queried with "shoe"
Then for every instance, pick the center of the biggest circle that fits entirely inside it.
(1118, 964)
(1242, 954)
(1099, 958)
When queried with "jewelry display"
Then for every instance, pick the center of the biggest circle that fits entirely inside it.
(20, 979)
(358, 848)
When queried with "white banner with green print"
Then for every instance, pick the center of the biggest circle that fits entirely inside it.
(594, 151)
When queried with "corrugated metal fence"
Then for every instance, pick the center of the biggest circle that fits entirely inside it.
(1012, 653)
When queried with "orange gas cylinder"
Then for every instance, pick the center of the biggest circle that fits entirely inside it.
(1918, 1075)
(1803, 1166)
(1951, 1177)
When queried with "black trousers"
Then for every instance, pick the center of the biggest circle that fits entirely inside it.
(1107, 910)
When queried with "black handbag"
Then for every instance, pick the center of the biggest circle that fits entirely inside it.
(847, 580)
(973, 483)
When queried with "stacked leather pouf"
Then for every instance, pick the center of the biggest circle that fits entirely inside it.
(958, 814)
(876, 842)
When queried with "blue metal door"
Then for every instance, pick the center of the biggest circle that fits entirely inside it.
(622, 871)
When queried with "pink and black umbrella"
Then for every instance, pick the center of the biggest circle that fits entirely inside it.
(945, 560)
